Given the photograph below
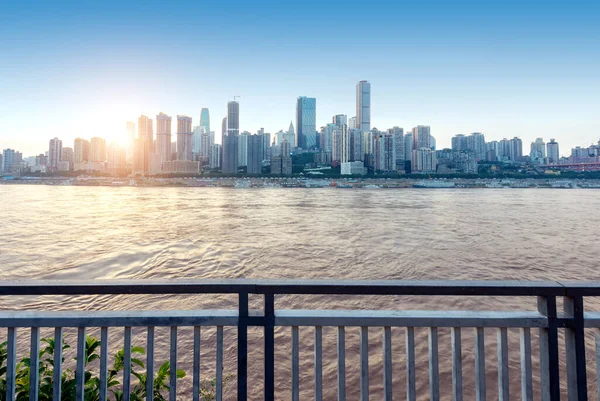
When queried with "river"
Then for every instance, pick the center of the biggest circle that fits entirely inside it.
(63, 232)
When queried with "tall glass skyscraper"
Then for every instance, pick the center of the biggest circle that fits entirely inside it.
(306, 122)
(363, 106)
(205, 119)
(233, 118)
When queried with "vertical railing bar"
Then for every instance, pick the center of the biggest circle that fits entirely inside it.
(58, 353)
(196, 378)
(242, 373)
(434, 374)
(127, 364)
(80, 371)
(173, 365)
(457, 389)
(387, 364)
(219, 370)
(34, 364)
(597, 338)
(103, 364)
(479, 365)
(411, 392)
(11, 364)
(318, 363)
(548, 339)
(295, 364)
(341, 351)
(150, 364)
(364, 363)
(503, 387)
(575, 350)
(269, 384)
(526, 372)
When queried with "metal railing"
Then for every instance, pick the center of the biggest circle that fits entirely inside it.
(546, 319)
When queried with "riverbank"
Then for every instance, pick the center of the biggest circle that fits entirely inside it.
(236, 182)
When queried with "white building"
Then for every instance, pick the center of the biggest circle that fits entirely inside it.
(353, 168)
(424, 160)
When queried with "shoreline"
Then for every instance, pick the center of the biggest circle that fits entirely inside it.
(297, 182)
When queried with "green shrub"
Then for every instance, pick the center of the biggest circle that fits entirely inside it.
(92, 380)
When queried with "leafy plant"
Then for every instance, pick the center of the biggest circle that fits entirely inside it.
(92, 380)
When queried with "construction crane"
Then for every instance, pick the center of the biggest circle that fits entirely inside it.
(236, 97)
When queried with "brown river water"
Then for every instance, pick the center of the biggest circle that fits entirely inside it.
(90, 233)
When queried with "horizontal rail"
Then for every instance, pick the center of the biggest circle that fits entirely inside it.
(346, 287)
(388, 318)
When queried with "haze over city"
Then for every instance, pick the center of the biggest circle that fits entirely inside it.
(83, 70)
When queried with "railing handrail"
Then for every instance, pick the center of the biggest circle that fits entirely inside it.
(331, 287)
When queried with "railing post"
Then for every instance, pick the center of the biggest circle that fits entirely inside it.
(269, 347)
(242, 361)
(575, 349)
(548, 337)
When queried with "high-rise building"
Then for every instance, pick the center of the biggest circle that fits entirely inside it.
(352, 123)
(98, 150)
(243, 149)
(230, 154)
(205, 119)
(340, 119)
(215, 156)
(163, 138)
(421, 137)
(357, 144)
(553, 154)
(54, 153)
(306, 122)
(424, 160)
(398, 134)
(224, 127)
(146, 132)
(341, 131)
(233, 118)
(116, 159)
(363, 106)
(326, 138)
(255, 154)
(336, 144)
(81, 150)
(538, 149)
(516, 149)
(476, 144)
(459, 143)
(282, 165)
(8, 159)
(266, 144)
(384, 152)
(408, 146)
(184, 138)
(207, 139)
(67, 155)
(140, 158)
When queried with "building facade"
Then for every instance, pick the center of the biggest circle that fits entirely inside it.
(363, 106)
(306, 122)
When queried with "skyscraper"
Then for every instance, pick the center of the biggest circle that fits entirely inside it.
(81, 150)
(8, 159)
(67, 155)
(341, 131)
(363, 106)
(516, 149)
(255, 154)
(205, 119)
(98, 150)
(130, 140)
(233, 118)
(553, 154)
(421, 137)
(54, 153)
(243, 149)
(230, 154)
(340, 119)
(163, 138)
(476, 144)
(184, 138)
(306, 122)
(459, 143)
(398, 134)
(352, 123)
(146, 133)
(215, 156)
(538, 149)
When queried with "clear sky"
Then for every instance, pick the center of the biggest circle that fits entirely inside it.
(82, 69)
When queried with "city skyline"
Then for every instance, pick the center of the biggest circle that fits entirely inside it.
(527, 70)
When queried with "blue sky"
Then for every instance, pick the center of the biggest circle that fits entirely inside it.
(507, 69)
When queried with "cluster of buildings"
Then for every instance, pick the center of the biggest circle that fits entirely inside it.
(350, 143)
